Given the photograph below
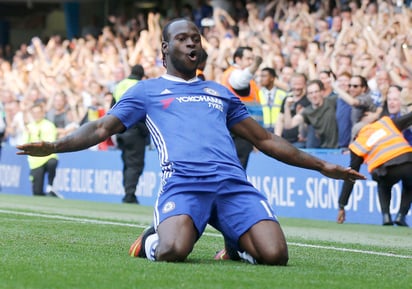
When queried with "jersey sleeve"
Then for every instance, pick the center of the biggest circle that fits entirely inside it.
(236, 110)
(131, 108)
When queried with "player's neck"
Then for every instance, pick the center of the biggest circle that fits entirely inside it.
(178, 78)
(185, 76)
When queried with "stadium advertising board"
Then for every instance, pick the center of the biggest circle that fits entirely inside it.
(298, 193)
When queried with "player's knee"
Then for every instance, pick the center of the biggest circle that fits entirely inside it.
(173, 251)
(276, 256)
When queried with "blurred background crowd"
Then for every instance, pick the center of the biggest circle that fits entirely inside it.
(354, 48)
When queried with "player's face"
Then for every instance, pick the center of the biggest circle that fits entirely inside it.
(183, 49)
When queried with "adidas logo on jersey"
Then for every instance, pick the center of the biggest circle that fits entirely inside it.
(165, 91)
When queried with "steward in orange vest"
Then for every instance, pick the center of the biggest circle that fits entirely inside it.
(250, 94)
(238, 78)
(388, 155)
(379, 143)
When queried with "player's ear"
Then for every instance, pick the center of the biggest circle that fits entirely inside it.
(165, 47)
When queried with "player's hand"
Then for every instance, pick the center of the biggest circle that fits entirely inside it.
(37, 149)
(341, 216)
(339, 172)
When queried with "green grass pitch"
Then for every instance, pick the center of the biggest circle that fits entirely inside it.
(61, 244)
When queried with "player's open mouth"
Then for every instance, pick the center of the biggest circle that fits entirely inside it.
(193, 55)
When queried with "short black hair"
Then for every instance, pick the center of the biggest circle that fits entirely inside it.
(240, 51)
(363, 80)
(270, 70)
(165, 32)
(137, 71)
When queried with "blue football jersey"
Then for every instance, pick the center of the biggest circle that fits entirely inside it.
(189, 123)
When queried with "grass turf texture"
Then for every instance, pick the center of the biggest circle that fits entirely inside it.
(52, 243)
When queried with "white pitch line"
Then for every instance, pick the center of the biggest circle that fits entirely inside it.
(350, 250)
(101, 222)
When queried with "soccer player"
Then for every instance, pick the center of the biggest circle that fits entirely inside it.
(203, 181)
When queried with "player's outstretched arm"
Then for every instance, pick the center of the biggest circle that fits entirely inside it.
(85, 136)
(280, 149)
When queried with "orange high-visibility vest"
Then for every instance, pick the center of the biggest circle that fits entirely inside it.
(254, 89)
(379, 142)
(199, 73)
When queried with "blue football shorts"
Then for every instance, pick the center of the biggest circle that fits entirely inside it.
(231, 205)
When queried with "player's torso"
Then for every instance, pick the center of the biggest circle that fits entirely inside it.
(188, 122)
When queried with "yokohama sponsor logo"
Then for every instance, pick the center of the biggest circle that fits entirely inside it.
(199, 98)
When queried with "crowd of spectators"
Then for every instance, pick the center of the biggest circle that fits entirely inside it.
(75, 78)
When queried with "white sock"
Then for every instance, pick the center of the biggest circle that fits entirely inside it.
(49, 188)
(150, 246)
(246, 257)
